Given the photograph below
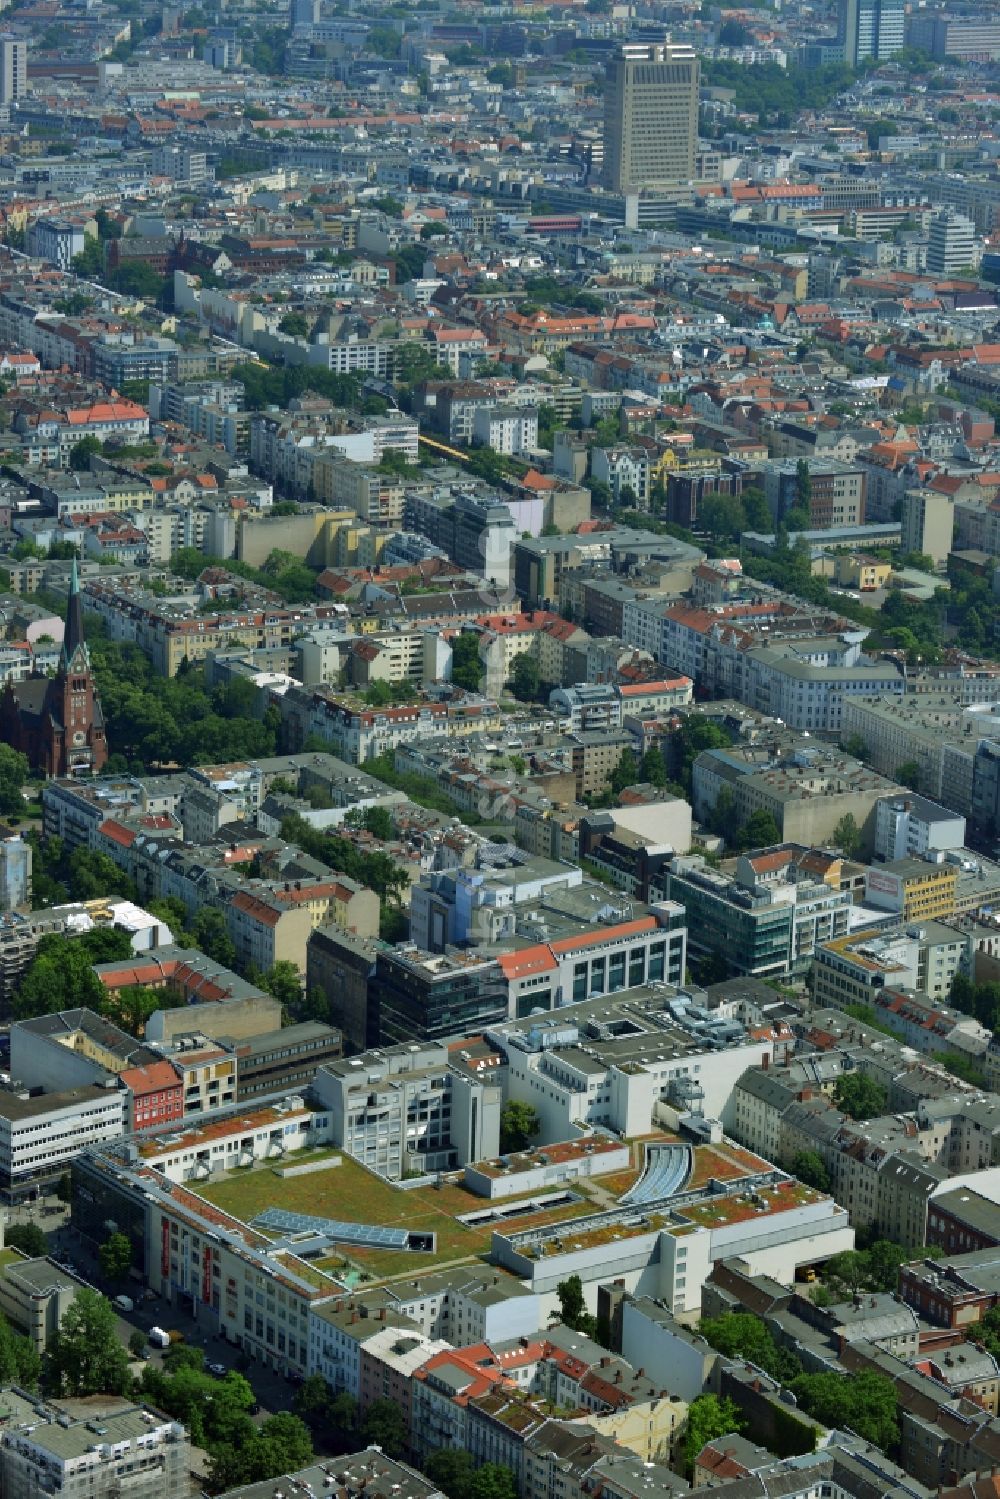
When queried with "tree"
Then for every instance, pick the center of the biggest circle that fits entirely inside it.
(136, 1342)
(313, 1401)
(492, 1481)
(847, 836)
(295, 324)
(803, 488)
(733, 34)
(571, 1303)
(573, 1309)
(385, 1425)
(860, 1096)
(212, 936)
(184, 1356)
(90, 261)
(451, 1470)
(960, 1065)
(518, 1122)
(722, 819)
(625, 773)
(284, 983)
(28, 1238)
(867, 1403)
(880, 127)
(722, 515)
(375, 820)
(134, 1006)
(809, 1168)
(756, 509)
(85, 1357)
(708, 1418)
(289, 1442)
(653, 767)
(344, 1412)
(81, 453)
(282, 1445)
(19, 1361)
(59, 977)
(216, 1412)
(13, 774)
(467, 666)
(743, 1336)
(524, 678)
(908, 774)
(115, 1255)
(760, 830)
(381, 694)
(695, 734)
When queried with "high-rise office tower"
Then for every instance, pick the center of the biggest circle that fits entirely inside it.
(951, 243)
(13, 70)
(871, 28)
(650, 116)
(891, 27)
(304, 13)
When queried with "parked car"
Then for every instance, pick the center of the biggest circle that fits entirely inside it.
(219, 1370)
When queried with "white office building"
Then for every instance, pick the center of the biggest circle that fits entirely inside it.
(952, 243)
(911, 826)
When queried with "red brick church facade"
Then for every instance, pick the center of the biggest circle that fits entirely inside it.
(57, 721)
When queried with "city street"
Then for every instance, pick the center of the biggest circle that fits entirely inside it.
(272, 1391)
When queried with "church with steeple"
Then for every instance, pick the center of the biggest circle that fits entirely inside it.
(57, 721)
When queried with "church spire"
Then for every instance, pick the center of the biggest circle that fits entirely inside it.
(73, 635)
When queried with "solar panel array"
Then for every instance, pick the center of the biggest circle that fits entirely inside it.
(371, 1234)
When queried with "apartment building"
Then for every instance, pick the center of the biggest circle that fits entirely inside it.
(936, 728)
(765, 921)
(511, 430)
(676, 1050)
(170, 634)
(807, 788)
(271, 922)
(462, 1306)
(417, 996)
(539, 563)
(911, 826)
(479, 904)
(78, 1048)
(410, 1108)
(770, 655)
(852, 969)
(196, 1255)
(284, 1060)
(914, 889)
(836, 492)
(40, 1136)
(45, 1450)
(626, 471)
(357, 733)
